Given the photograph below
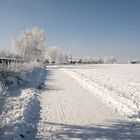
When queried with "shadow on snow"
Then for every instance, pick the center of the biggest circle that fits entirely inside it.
(27, 129)
(117, 131)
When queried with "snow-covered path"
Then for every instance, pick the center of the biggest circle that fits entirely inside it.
(68, 111)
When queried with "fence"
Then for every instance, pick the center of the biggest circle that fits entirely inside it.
(10, 60)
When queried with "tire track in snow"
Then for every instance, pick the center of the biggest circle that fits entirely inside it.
(68, 104)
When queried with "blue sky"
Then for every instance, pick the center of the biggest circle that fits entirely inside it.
(82, 27)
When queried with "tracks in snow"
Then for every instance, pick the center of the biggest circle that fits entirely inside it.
(67, 109)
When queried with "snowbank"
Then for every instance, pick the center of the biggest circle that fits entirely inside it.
(15, 73)
(18, 117)
(116, 85)
(20, 107)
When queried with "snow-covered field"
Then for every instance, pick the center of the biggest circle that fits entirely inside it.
(118, 85)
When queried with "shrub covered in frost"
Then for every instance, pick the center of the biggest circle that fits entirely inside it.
(14, 73)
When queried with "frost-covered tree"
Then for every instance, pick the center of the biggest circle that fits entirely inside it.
(100, 61)
(66, 59)
(2, 52)
(5, 53)
(110, 60)
(113, 60)
(63, 58)
(30, 44)
(53, 52)
(60, 58)
(55, 56)
(87, 59)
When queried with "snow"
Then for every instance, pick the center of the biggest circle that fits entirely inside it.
(73, 102)
(16, 118)
(117, 85)
(70, 112)
(66, 107)
(20, 108)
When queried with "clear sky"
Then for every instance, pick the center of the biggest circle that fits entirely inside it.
(82, 27)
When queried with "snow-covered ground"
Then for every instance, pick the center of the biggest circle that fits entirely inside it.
(118, 85)
(70, 112)
(19, 108)
(77, 102)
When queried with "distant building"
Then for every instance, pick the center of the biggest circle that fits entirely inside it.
(135, 62)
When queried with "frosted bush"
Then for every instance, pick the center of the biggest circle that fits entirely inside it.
(14, 73)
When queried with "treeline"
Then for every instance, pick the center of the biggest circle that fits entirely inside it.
(31, 46)
(56, 57)
(97, 60)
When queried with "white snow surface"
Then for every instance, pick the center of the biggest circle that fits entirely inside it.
(18, 116)
(56, 104)
(118, 85)
(19, 110)
(70, 112)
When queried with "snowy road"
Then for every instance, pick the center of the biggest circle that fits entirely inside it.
(68, 111)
